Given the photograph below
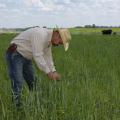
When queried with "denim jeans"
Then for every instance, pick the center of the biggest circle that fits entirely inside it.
(20, 69)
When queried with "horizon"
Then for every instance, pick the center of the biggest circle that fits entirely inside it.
(77, 26)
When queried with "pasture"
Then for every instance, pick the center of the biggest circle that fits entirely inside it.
(89, 88)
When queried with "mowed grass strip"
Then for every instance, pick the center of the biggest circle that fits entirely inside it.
(89, 89)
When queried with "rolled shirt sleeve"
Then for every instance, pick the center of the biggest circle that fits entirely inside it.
(38, 43)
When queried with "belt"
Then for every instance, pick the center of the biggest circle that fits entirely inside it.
(12, 48)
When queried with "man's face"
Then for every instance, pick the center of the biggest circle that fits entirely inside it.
(56, 39)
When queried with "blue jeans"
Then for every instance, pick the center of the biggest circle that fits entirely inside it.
(20, 69)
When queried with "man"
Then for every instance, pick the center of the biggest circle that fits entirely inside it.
(34, 43)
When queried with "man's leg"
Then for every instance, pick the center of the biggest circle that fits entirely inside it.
(15, 67)
(29, 75)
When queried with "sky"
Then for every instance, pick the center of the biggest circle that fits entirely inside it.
(63, 13)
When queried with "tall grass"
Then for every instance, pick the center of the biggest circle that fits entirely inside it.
(89, 88)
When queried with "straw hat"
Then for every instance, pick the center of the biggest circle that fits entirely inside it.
(66, 37)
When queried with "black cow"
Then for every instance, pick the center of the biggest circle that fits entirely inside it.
(107, 32)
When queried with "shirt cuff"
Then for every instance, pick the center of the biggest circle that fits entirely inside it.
(47, 70)
(53, 69)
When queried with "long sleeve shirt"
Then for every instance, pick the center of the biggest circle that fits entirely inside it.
(36, 43)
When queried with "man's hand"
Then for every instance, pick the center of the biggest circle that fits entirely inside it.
(54, 75)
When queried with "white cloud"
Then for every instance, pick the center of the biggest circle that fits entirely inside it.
(30, 3)
(61, 12)
(2, 6)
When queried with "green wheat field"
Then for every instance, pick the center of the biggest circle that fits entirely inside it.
(90, 84)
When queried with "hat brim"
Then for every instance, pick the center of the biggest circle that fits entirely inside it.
(65, 36)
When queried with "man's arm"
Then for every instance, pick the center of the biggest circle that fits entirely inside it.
(49, 59)
(37, 43)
